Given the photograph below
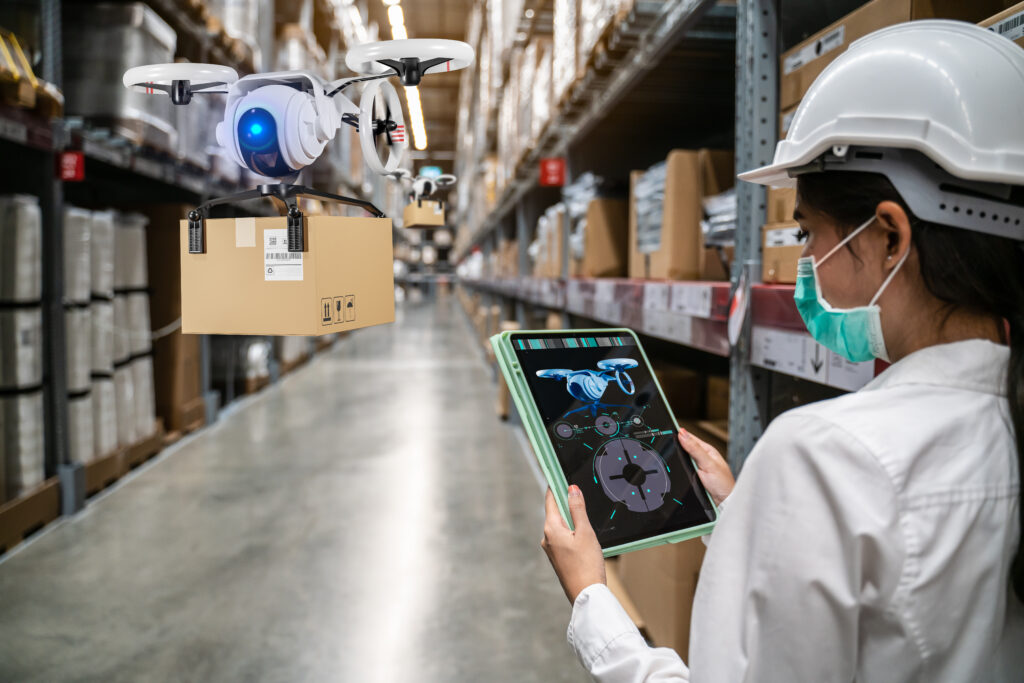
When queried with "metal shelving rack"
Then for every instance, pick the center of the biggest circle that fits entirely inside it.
(773, 352)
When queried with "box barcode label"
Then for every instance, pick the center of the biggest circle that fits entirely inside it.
(278, 263)
(782, 237)
(830, 41)
(1010, 27)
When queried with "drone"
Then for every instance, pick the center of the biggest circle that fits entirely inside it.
(588, 386)
(276, 124)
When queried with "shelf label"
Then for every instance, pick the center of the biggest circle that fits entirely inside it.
(690, 299)
(781, 237)
(797, 354)
(656, 295)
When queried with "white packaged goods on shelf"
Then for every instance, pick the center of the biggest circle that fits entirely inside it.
(102, 41)
(77, 255)
(138, 323)
(563, 64)
(649, 196)
(594, 17)
(196, 124)
(124, 401)
(80, 429)
(21, 348)
(21, 261)
(21, 441)
(527, 77)
(78, 346)
(104, 417)
(122, 332)
(102, 347)
(542, 109)
(145, 401)
(291, 349)
(101, 250)
(719, 222)
(241, 20)
(130, 269)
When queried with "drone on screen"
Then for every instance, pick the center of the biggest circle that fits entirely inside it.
(588, 386)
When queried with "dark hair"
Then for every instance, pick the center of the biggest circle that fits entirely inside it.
(966, 270)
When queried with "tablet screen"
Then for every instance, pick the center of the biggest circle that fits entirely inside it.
(613, 434)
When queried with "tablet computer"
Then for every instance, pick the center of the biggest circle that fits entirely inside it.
(596, 417)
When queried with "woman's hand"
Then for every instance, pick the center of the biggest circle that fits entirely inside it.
(712, 469)
(575, 555)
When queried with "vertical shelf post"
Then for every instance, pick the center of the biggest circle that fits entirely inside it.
(756, 126)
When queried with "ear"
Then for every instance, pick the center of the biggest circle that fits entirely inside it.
(895, 221)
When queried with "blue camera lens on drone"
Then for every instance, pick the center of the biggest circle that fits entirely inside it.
(257, 141)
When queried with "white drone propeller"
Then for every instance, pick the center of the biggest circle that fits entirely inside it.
(180, 80)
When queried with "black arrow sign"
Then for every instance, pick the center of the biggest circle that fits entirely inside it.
(817, 362)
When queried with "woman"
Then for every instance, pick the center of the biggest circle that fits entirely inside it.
(875, 536)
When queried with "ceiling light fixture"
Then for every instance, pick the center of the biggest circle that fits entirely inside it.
(395, 15)
(419, 130)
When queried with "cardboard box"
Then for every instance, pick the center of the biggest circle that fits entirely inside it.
(690, 176)
(716, 264)
(611, 571)
(343, 281)
(556, 229)
(423, 214)
(786, 120)
(605, 239)
(683, 389)
(781, 204)
(799, 66)
(1009, 23)
(717, 398)
(661, 582)
(553, 321)
(780, 252)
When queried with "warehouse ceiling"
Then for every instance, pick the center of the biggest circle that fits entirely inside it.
(438, 92)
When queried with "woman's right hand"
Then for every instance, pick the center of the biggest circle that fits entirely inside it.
(712, 469)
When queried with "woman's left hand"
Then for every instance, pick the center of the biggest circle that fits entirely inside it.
(575, 555)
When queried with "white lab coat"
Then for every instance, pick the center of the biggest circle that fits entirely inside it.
(868, 538)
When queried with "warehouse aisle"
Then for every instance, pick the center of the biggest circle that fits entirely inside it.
(368, 519)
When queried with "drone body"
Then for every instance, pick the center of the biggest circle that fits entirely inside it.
(276, 124)
(588, 386)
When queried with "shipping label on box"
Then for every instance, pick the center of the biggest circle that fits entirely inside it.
(1009, 24)
(248, 282)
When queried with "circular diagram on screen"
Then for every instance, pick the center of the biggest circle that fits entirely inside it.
(632, 474)
(564, 430)
(606, 425)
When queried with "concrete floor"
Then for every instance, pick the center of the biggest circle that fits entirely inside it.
(367, 519)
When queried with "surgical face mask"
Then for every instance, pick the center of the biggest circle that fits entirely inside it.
(853, 333)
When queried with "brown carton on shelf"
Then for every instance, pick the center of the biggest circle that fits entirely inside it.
(690, 176)
(683, 389)
(553, 321)
(661, 582)
(1009, 23)
(717, 398)
(799, 66)
(716, 263)
(781, 204)
(248, 283)
(504, 404)
(555, 240)
(604, 240)
(423, 214)
(786, 120)
(780, 252)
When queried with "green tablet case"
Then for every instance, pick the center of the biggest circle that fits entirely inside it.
(541, 442)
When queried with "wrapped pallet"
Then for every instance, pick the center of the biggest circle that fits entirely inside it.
(77, 255)
(104, 416)
(140, 333)
(102, 346)
(21, 348)
(524, 113)
(145, 401)
(78, 347)
(101, 250)
(124, 402)
(130, 271)
(107, 40)
(21, 263)
(543, 110)
(21, 442)
(122, 330)
(81, 443)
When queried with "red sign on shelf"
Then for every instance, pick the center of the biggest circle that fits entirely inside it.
(552, 172)
(72, 166)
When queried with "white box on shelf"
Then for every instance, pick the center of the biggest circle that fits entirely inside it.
(104, 417)
(101, 252)
(21, 261)
(130, 271)
(77, 255)
(102, 323)
(80, 428)
(145, 401)
(21, 442)
(78, 347)
(21, 348)
(140, 339)
(124, 400)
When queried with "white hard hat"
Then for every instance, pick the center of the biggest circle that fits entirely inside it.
(951, 90)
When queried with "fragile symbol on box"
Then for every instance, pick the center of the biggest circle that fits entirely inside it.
(344, 309)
